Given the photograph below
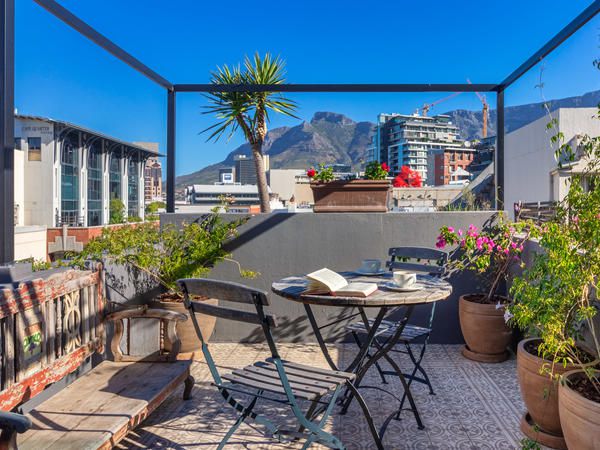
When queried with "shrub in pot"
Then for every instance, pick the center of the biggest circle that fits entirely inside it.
(554, 301)
(490, 253)
(168, 254)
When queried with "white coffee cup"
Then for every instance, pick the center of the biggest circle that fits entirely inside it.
(404, 278)
(370, 266)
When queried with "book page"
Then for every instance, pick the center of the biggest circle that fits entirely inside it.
(357, 290)
(326, 278)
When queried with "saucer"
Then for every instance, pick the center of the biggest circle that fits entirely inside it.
(371, 274)
(394, 287)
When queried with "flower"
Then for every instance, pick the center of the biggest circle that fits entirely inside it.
(441, 242)
(451, 229)
(310, 173)
(385, 167)
(507, 316)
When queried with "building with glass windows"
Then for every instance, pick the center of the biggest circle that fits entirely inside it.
(411, 140)
(68, 175)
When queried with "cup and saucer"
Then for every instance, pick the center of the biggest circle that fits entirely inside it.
(370, 268)
(404, 281)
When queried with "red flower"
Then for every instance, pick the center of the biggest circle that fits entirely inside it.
(310, 173)
(385, 167)
(408, 178)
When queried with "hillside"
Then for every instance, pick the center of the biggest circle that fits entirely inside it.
(334, 138)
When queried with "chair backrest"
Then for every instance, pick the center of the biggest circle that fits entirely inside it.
(418, 259)
(231, 292)
(226, 291)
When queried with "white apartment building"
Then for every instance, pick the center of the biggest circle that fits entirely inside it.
(531, 170)
(411, 140)
(67, 174)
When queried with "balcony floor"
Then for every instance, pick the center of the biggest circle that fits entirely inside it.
(477, 406)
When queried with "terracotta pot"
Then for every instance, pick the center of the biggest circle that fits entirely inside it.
(484, 329)
(540, 394)
(579, 417)
(185, 330)
(352, 196)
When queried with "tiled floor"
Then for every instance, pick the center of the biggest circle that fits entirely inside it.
(477, 406)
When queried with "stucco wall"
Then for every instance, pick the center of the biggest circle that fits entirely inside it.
(280, 245)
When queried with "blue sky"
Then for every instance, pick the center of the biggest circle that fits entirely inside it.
(62, 75)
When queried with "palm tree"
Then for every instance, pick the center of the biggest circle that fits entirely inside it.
(249, 111)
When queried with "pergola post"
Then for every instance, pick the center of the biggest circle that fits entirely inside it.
(499, 156)
(170, 151)
(7, 127)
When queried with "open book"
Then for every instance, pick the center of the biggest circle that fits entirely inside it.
(325, 281)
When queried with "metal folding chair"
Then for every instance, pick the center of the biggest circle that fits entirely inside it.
(273, 379)
(415, 259)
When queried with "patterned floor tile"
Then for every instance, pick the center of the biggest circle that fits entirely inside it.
(476, 406)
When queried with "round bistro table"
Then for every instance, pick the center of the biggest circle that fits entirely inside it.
(387, 300)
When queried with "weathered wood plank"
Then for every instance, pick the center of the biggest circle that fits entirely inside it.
(98, 409)
(434, 290)
(9, 349)
(84, 305)
(33, 385)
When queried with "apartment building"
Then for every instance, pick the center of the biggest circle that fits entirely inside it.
(153, 189)
(410, 140)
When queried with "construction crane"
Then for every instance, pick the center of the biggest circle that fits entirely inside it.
(427, 106)
(486, 110)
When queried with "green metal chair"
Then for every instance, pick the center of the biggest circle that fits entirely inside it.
(274, 379)
(416, 259)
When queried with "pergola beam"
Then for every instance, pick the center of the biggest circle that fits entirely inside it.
(7, 128)
(99, 39)
(588, 14)
(359, 87)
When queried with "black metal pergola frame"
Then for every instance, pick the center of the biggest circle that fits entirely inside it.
(7, 19)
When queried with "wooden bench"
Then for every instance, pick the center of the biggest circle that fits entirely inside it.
(49, 328)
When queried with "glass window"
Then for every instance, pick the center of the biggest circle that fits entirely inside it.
(34, 152)
(94, 185)
(115, 176)
(132, 188)
(69, 181)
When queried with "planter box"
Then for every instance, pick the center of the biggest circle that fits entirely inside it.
(352, 196)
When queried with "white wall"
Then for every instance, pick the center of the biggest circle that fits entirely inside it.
(529, 155)
(37, 177)
(30, 242)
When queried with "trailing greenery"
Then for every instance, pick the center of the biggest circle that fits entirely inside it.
(117, 211)
(153, 207)
(489, 252)
(556, 298)
(166, 254)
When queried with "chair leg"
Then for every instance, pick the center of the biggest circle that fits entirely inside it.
(188, 386)
(379, 370)
(367, 414)
(243, 416)
(418, 366)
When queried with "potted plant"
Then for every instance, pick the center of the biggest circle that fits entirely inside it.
(490, 253)
(371, 194)
(555, 300)
(166, 255)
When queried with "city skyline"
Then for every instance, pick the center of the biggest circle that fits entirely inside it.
(73, 80)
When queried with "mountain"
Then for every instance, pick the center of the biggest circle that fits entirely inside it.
(334, 138)
(470, 122)
(328, 137)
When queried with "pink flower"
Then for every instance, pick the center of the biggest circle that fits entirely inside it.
(513, 245)
(451, 229)
(575, 220)
(479, 243)
(460, 232)
(441, 242)
(506, 251)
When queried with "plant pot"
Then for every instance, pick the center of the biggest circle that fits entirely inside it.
(541, 422)
(484, 329)
(185, 330)
(579, 416)
(352, 196)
